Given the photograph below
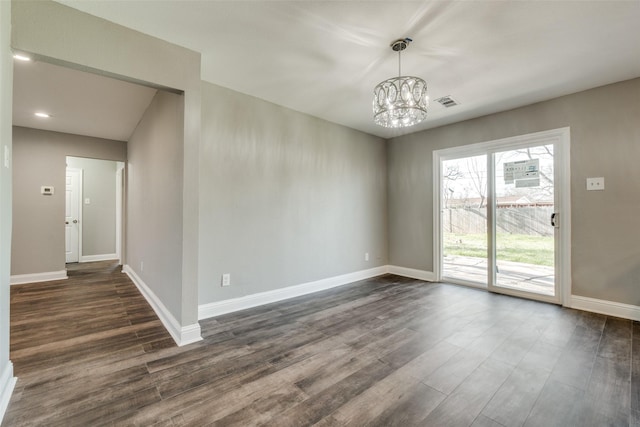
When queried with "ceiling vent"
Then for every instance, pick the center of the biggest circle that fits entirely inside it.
(447, 101)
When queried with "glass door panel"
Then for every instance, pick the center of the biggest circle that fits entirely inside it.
(464, 219)
(524, 204)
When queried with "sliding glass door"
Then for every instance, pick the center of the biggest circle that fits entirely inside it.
(523, 209)
(499, 210)
(464, 219)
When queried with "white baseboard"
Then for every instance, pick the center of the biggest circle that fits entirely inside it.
(218, 308)
(103, 257)
(427, 276)
(7, 383)
(182, 335)
(205, 311)
(19, 279)
(610, 308)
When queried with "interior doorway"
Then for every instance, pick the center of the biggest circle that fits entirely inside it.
(502, 215)
(93, 210)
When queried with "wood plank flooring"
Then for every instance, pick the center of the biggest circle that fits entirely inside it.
(389, 351)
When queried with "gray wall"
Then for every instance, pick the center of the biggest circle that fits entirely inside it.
(154, 199)
(39, 158)
(99, 216)
(605, 141)
(6, 89)
(285, 198)
(72, 38)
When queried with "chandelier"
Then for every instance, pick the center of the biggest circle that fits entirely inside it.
(400, 101)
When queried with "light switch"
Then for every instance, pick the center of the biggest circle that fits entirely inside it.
(595, 183)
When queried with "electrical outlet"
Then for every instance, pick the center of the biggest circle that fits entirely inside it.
(366, 256)
(226, 279)
(595, 183)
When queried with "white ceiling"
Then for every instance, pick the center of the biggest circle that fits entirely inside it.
(79, 103)
(323, 58)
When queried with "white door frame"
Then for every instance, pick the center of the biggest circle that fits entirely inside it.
(79, 207)
(120, 203)
(119, 210)
(561, 140)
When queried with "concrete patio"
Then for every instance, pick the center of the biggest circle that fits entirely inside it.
(513, 275)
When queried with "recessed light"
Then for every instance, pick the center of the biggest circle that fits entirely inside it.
(21, 57)
(44, 115)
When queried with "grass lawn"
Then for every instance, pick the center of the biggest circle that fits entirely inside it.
(536, 250)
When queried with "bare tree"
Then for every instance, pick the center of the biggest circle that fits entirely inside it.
(451, 173)
(478, 174)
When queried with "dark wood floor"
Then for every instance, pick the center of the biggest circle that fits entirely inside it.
(389, 351)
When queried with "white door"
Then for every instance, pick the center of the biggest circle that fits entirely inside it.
(72, 215)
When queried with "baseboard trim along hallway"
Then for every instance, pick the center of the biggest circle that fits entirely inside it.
(182, 335)
(47, 276)
(7, 384)
(94, 258)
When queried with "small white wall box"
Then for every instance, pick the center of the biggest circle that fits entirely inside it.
(46, 190)
(595, 183)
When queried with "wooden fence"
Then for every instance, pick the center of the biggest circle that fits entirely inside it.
(534, 221)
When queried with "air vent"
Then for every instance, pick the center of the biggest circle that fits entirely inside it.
(447, 101)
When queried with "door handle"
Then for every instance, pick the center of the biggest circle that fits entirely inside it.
(554, 220)
(75, 221)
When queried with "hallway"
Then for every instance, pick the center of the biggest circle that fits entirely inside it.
(79, 344)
